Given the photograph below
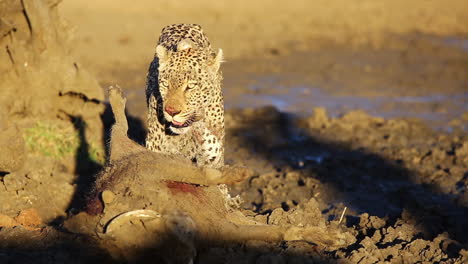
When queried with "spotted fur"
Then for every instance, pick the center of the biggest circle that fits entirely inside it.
(185, 101)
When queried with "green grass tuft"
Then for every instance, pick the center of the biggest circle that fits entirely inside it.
(59, 140)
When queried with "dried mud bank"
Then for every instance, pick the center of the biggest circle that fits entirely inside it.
(51, 132)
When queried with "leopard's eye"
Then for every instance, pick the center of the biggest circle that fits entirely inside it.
(191, 84)
(164, 83)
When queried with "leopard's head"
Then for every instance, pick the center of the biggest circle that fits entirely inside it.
(187, 79)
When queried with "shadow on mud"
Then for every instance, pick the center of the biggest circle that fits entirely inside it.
(86, 168)
(72, 248)
(49, 246)
(363, 181)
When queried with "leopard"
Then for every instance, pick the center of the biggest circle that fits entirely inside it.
(184, 97)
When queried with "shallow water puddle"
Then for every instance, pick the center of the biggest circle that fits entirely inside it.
(437, 109)
(461, 43)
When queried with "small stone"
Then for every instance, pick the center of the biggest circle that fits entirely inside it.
(261, 218)
(29, 217)
(278, 217)
(6, 221)
(416, 160)
(319, 118)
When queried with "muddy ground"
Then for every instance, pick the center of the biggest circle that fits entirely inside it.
(338, 108)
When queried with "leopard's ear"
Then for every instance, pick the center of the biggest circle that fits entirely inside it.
(162, 54)
(216, 60)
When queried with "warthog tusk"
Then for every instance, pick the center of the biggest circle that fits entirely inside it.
(125, 217)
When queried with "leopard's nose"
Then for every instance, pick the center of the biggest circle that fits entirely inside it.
(171, 110)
